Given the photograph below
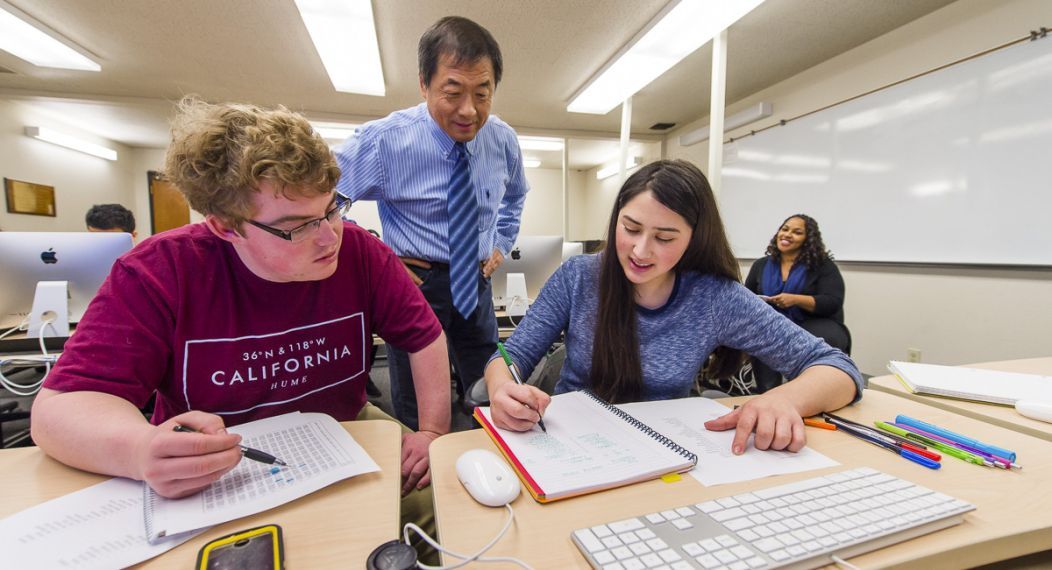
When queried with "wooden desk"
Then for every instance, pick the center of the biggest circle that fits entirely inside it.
(1004, 416)
(1014, 515)
(335, 527)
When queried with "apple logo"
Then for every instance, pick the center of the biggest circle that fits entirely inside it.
(48, 256)
(515, 254)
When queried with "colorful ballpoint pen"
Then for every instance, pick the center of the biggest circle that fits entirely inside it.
(945, 448)
(956, 437)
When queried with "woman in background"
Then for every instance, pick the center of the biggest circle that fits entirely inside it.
(641, 317)
(798, 278)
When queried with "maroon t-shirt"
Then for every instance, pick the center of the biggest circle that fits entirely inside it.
(182, 315)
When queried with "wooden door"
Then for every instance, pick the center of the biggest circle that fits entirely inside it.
(168, 207)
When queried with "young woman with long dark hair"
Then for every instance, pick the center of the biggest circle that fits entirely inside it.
(642, 317)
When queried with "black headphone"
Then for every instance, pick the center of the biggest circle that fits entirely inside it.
(392, 555)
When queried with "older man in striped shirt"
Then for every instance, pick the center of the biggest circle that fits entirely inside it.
(450, 187)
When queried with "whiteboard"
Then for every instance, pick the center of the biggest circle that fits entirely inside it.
(952, 167)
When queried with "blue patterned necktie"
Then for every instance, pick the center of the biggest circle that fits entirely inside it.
(463, 236)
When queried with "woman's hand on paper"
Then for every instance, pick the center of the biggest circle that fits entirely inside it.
(518, 407)
(416, 469)
(177, 464)
(774, 419)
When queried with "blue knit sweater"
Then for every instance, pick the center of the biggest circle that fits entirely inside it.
(702, 313)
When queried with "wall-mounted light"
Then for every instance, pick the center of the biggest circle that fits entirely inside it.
(531, 162)
(25, 38)
(344, 33)
(608, 171)
(334, 132)
(677, 31)
(753, 113)
(69, 141)
(540, 143)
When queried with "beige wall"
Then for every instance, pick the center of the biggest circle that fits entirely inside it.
(542, 214)
(80, 180)
(953, 316)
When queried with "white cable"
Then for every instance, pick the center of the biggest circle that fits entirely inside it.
(465, 559)
(844, 563)
(27, 361)
(514, 299)
(21, 327)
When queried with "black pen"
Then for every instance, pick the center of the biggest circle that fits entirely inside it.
(246, 452)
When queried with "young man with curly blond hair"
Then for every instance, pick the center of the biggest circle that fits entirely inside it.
(267, 306)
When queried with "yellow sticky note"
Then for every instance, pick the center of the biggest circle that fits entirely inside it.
(671, 477)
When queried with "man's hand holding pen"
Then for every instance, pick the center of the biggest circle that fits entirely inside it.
(179, 464)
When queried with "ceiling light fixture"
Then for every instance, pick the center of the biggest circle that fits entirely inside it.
(25, 38)
(69, 141)
(541, 143)
(608, 171)
(335, 132)
(344, 33)
(753, 113)
(531, 162)
(677, 31)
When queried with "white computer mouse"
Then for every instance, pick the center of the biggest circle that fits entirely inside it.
(1035, 409)
(487, 477)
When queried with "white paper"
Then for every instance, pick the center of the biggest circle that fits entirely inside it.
(683, 421)
(977, 384)
(587, 447)
(98, 527)
(319, 452)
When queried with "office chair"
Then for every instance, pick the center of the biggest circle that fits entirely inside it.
(544, 377)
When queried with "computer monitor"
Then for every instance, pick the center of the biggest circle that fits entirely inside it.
(537, 257)
(83, 259)
(572, 248)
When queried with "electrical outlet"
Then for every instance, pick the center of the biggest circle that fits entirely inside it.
(913, 355)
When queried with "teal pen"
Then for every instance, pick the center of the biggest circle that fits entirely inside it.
(945, 448)
(515, 375)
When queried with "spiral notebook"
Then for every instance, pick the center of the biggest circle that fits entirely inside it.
(318, 450)
(590, 446)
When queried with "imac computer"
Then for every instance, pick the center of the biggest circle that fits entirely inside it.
(535, 258)
(81, 260)
(572, 248)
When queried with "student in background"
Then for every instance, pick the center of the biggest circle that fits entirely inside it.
(798, 278)
(449, 184)
(668, 296)
(265, 307)
(110, 218)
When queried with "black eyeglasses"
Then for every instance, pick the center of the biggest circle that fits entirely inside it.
(301, 232)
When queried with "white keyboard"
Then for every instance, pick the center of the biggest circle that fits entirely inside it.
(796, 525)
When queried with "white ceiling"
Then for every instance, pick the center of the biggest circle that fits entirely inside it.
(154, 51)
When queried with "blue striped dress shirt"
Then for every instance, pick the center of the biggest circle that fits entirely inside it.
(404, 162)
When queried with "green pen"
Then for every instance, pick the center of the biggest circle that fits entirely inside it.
(947, 449)
(515, 375)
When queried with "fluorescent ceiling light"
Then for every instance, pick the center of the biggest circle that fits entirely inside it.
(531, 162)
(344, 33)
(608, 171)
(753, 113)
(27, 39)
(540, 143)
(676, 32)
(334, 131)
(69, 141)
